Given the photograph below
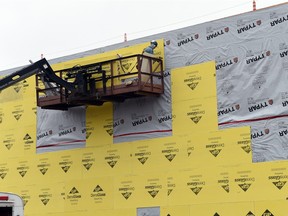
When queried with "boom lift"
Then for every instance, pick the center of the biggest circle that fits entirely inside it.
(92, 84)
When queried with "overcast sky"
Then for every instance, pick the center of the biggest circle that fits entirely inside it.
(57, 28)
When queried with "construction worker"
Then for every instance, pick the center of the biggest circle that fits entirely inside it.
(151, 47)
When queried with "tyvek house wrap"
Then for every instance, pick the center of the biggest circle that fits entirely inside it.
(251, 56)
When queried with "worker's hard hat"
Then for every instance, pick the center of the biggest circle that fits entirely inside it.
(154, 43)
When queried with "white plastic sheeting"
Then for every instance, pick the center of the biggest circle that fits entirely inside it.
(60, 130)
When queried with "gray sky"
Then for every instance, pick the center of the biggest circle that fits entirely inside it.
(57, 28)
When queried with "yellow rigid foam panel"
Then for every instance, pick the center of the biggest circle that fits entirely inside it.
(125, 66)
(99, 125)
(270, 208)
(135, 49)
(246, 183)
(76, 195)
(161, 153)
(152, 189)
(27, 139)
(89, 162)
(215, 148)
(68, 165)
(46, 167)
(223, 209)
(183, 210)
(193, 82)
(49, 198)
(145, 155)
(99, 193)
(274, 179)
(127, 191)
(5, 172)
(114, 160)
(193, 116)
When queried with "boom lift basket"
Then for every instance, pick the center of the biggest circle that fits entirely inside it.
(113, 80)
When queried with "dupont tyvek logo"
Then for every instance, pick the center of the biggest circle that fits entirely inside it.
(244, 186)
(126, 195)
(279, 19)
(279, 184)
(186, 39)
(250, 214)
(216, 214)
(267, 213)
(153, 193)
(22, 170)
(169, 191)
(212, 34)
(248, 26)
(228, 110)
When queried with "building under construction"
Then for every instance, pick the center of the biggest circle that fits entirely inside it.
(198, 128)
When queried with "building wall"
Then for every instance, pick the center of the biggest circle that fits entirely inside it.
(199, 169)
